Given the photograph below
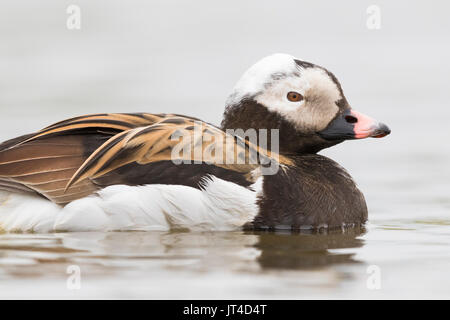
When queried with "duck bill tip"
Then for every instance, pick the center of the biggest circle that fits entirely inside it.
(366, 127)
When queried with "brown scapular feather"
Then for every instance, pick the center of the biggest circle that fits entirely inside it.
(62, 161)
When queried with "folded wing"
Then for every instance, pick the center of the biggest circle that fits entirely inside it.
(43, 163)
(74, 158)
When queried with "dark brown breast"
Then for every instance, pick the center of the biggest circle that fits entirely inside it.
(316, 192)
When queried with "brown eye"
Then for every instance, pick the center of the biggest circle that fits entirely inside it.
(294, 96)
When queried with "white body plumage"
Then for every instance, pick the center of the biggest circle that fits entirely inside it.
(219, 205)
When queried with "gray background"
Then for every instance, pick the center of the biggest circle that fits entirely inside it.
(185, 57)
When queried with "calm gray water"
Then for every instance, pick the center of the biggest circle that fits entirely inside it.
(173, 56)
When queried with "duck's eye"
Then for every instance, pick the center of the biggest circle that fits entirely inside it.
(294, 96)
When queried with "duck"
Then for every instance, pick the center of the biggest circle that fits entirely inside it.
(158, 171)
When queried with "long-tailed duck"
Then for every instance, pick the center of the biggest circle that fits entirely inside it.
(141, 171)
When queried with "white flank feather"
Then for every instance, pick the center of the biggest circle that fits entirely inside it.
(220, 205)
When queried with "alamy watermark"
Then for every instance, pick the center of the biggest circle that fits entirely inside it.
(202, 143)
(74, 280)
(373, 21)
(374, 280)
(73, 21)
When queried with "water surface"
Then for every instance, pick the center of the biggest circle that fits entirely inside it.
(413, 258)
(182, 57)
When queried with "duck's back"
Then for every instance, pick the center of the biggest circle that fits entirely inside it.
(74, 158)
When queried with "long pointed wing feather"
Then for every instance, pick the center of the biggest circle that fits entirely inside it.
(73, 158)
(44, 162)
(175, 139)
(111, 123)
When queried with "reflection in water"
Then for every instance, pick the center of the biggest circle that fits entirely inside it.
(306, 251)
(231, 265)
(103, 254)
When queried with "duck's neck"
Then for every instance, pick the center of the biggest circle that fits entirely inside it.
(249, 114)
